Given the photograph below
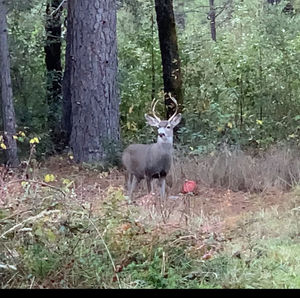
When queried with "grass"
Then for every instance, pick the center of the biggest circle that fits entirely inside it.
(64, 234)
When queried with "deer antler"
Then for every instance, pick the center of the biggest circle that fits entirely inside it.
(153, 104)
(176, 104)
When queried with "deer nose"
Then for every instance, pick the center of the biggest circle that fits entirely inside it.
(161, 134)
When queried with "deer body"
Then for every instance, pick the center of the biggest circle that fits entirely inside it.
(151, 161)
(148, 161)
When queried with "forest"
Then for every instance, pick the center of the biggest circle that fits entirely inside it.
(149, 144)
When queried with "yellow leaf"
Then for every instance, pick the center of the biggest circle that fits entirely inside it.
(2, 145)
(259, 122)
(66, 181)
(229, 124)
(130, 110)
(34, 140)
(49, 178)
(292, 136)
(15, 137)
(220, 129)
(21, 133)
(71, 156)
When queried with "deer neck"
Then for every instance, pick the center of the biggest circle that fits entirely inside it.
(165, 146)
(167, 142)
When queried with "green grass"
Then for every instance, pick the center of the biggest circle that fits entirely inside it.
(68, 246)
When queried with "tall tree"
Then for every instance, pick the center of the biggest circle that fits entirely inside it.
(54, 68)
(8, 111)
(169, 53)
(92, 84)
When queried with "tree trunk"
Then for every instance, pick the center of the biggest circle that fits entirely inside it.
(67, 106)
(212, 18)
(169, 53)
(273, 1)
(54, 70)
(93, 72)
(180, 15)
(8, 111)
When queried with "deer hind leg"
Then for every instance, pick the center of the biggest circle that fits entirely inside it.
(162, 185)
(149, 185)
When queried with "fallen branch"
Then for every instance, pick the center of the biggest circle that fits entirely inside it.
(33, 218)
(39, 182)
(4, 266)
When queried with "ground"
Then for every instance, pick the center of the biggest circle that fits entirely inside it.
(60, 219)
(91, 185)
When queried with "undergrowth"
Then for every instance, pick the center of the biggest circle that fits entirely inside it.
(52, 236)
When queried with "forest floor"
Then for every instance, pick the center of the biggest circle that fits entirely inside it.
(91, 186)
(206, 225)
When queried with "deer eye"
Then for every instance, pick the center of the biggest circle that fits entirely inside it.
(168, 126)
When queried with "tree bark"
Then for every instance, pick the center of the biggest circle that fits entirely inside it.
(93, 71)
(67, 105)
(212, 18)
(8, 111)
(54, 70)
(169, 53)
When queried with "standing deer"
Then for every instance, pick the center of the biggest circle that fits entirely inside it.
(151, 161)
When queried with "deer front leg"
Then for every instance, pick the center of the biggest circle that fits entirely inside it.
(132, 186)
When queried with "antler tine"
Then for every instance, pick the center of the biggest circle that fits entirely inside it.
(153, 104)
(176, 104)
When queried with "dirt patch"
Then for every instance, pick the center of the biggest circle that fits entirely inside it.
(218, 208)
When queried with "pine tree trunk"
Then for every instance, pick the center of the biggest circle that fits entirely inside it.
(93, 71)
(54, 70)
(8, 111)
(169, 53)
(67, 105)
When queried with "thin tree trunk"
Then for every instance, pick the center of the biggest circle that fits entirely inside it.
(212, 18)
(93, 85)
(180, 14)
(67, 105)
(54, 70)
(169, 53)
(152, 57)
(8, 111)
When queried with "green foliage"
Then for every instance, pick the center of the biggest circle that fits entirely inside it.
(242, 90)
(136, 42)
(60, 243)
(248, 78)
(28, 68)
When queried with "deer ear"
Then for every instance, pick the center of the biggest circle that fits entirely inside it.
(176, 120)
(152, 121)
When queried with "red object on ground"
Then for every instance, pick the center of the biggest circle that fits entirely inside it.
(189, 186)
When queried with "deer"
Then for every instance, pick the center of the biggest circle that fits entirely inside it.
(152, 161)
